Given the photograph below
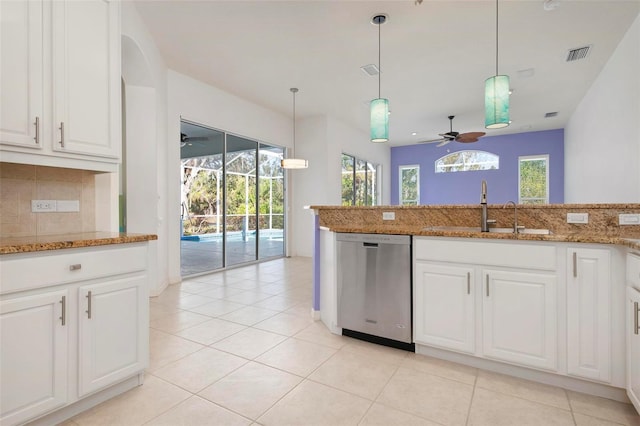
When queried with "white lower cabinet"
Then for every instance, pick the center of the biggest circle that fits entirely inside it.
(589, 313)
(633, 346)
(112, 334)
(76, 327)
(444, 306)
(519, 317)
(33, 355)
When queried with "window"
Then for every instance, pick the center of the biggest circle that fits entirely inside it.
(409, 185)
(464, 161)
(533, 179)
(359, 184)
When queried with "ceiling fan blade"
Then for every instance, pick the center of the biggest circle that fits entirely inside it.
(469, 137)
(433, 140)
(443, 143)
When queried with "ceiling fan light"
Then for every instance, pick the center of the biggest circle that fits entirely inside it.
(496, 102)
(379, 120)
(294, 163)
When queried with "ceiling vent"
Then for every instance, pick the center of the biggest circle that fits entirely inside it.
(551, 114)
(370, 69)
(578, 53)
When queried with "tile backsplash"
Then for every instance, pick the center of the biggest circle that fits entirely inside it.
(21, 183)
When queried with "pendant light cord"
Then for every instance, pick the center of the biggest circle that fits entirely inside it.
(294, 122)
(496, 37)
(379, 63)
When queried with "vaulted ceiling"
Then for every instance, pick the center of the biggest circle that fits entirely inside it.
(435, 56)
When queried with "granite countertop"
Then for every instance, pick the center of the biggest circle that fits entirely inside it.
(28, 244)
(577, 237)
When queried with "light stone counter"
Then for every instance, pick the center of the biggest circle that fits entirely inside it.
(28, 244)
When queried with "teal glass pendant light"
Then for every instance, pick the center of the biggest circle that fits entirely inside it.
(379, 123)
(496, 95)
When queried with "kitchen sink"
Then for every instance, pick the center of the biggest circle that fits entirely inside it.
(531, 231)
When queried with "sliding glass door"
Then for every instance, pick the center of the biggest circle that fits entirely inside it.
(232, 200)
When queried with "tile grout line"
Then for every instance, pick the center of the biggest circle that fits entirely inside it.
(473, 394)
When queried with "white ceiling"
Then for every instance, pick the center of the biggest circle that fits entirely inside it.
(435, 56)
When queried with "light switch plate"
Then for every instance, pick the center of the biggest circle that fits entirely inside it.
(68, 205)
(43, 206)
(629, 219)
(577, 217)
(388, 215)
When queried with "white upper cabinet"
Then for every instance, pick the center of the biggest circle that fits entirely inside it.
(86, 77)
(21, 73)
(61, 83)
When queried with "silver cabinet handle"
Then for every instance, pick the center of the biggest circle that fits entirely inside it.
(88, 311)
(487, 285)
(63, 317)
(75, 267)
(37, 124)
(61, 133)
(468, 282)
(575, 264)
(636, 320)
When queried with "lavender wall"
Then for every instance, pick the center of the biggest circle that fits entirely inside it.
(464, 187)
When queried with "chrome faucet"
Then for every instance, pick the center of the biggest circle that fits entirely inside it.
(484, 220)
(516, 228)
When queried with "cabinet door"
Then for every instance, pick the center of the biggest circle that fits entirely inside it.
(33, 355)
(443, 306)
(633, 346)
(21, 73)
(589, 313)
(86, 77)
(113, 332)
(519, 318)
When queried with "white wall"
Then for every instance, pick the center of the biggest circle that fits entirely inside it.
(602, 138)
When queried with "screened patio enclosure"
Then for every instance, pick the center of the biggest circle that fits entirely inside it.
(232, 200)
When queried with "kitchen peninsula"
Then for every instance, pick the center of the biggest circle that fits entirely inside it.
(552, 305)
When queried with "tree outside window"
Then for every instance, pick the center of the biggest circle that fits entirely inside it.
(409, 185)
(359, 182)
(533, 179)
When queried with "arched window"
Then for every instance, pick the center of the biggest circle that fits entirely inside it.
(464, 161)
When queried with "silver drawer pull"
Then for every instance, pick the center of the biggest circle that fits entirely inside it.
(468, 282)
(75, 267)
(63, 316)
(88, 311)
(61, 134)
(636, 320)
(37, 125)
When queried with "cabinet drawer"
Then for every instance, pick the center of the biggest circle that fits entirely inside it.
(633, 270)
(32, 270)
(495, 253)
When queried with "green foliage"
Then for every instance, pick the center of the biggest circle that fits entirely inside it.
(533, 181)
(409, 186)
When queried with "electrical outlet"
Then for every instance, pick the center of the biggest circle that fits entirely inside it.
(577, 217)
(628, 219)
(388, 215)
(43, 206)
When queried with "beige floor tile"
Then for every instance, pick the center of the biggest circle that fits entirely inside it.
(196, 411)
(320, 334)
(220, 292)
(271, 288)
(495, 409)
(537, 392)
(198, 370)
(381, 415)
(179, 321)
(211, 331)
(582, 420)
(286, 324)
(249, 315)
(136, 406)
(169, 296)
(158, 310)
(439, 367)
(251, 389)
(431, 397)
(249, 343)
(246, 284)
(602, 408)
(192, 300)
(301, 309)
(248, 297)
(311, 404)
(217, 307)
(353, 373)
(195, 287)
(68, 423)
(277, 303)
(165, 348)
(296, 356)
(376, 352)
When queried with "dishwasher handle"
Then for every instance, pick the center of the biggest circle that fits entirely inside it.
(370, 245)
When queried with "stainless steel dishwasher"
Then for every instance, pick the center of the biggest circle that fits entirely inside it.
(374, 288)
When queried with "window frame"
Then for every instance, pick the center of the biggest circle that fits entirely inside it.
(435, 163)
(371, 197)
(522, 158)
(400, 181)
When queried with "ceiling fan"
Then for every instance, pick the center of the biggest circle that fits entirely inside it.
(184, 139)
(452, 136)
